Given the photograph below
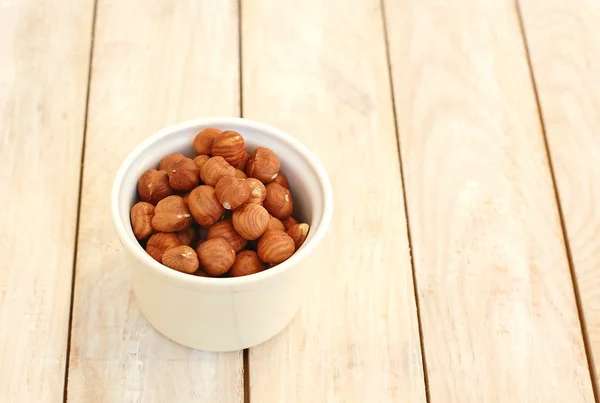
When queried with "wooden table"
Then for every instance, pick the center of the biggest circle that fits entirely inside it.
(463, 141)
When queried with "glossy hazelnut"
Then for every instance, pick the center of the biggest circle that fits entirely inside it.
(216, 256)
(263, 165)
(141, 219)
(183, 174)
(232, 192)
(246, 263)
(181, 258)
(231, 146)
(278, 201)
(203, 142)
(214, 169)
(275, 247)
(153, 186)
(205, 206)
(250, 221)
(171, 215)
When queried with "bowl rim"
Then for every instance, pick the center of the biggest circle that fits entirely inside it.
(188, 280)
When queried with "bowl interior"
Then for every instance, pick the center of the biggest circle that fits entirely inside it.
(306, 177)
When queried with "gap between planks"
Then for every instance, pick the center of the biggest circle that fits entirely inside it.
(78, 218)
(403, 186)
(575, 284)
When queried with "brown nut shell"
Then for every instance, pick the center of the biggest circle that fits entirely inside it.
(203, 142)
(168, 160)
(298, 233)
(171, 215)
(200, 160)
(289, 222)
(246, 263)
(141, 220)
(224, 229)
(275, 224)
(263, 165)
(183, 174)
(275, 247)
(153, 186)
(214, 169)
(278, 201)
(250, 221)
(232, 192)
(181, 258)
(205, 206)
(230, 145)
(216, 256)
(282, 180)
(258, 191)
(159, 243)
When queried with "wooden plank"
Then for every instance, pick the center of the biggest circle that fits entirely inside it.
(155, 63)
(44, 53)
(499, 316)
(318, 70)
(564, 46)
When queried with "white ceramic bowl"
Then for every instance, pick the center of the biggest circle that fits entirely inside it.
(224, 314)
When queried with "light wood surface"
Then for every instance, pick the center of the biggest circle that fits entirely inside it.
(499, 317)
(318, 70)
(564, 45)
(496, 318)
(149, 70)
(44, 49)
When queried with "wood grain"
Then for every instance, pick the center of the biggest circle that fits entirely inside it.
(44, 58)
(318, 70)
(499, 317)
(155, 63)
(564, 45)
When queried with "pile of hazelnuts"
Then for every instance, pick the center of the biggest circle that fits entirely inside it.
(224, 213)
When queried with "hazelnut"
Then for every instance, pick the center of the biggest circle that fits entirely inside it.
(298, 233)
(214, 169)
(246, 263)
(141, 217)
(278, 201)
(205, 206)
(240, 174)
(232, 192)
(275, 247)
(183, 174)
(282, 180)
(275, 224)
(200, 160)
(229, 145)
(203, 142)
(224, 229)
(159, 243)
(168, 160)
(289, 222)
(171, 215)
(153, 186)
(216, 256)
(258, 192)
(181, 258)
(263, 165)
(186, 236)
(242, 165)
(250, 221)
